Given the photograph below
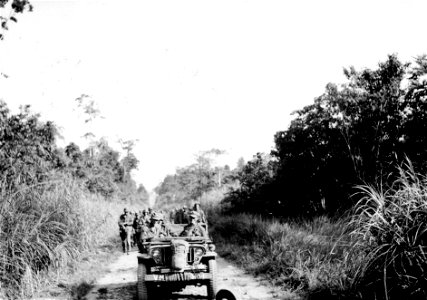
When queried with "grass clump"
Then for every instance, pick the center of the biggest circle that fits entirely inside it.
(393, 225)
(46, 229)
(39, 227)
(314, 257)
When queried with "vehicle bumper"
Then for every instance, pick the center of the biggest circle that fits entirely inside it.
(177, 277)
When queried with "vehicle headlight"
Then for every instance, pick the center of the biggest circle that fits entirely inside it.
(198, 252)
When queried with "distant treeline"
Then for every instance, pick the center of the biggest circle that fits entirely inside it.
(354, 133)
(197, 181)
(29, 156)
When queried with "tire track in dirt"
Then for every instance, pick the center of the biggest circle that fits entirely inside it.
(120, 283)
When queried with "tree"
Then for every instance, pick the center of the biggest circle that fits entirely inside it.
(240, 164)
(348, 136)
(91, 113)
(129, 162)
(255, 179)
(191, 182)
(8, 11)
(355, 133)
(414, 136)
(204, 172)
(27, 147)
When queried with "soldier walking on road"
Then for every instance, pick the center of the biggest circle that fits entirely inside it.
(125, 220)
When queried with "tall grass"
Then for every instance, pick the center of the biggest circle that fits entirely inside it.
(378, 253)
(39, 227)
(316, 256)
(47, 227)
(393, 224)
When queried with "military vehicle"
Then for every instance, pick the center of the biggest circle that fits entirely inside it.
(169, 264)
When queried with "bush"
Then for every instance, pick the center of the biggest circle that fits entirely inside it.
(393, 223)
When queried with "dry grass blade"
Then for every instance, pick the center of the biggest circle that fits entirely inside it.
(394, 226)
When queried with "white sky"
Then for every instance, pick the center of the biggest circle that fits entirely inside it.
(186, 76)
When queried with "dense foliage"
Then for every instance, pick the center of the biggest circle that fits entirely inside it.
(193, 181)
(43, 189)
(29, 155)
(352, 134)
(393, 225)
(27, 148)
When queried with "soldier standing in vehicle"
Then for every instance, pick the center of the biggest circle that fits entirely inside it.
(200, 211)
(194, 228)
(145, 217)
(172, 215)
(180, 216)
(157, 229)
(185, 216)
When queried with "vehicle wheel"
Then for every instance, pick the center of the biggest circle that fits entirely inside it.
(212, 283)
(142, 284)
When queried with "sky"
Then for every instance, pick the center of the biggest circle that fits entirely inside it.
(187, 76)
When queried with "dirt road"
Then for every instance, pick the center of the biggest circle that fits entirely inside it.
(120, 283)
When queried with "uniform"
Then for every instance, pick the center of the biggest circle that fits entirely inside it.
(125, 220)
(194, 228)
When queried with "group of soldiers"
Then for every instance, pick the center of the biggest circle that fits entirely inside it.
(149, 224)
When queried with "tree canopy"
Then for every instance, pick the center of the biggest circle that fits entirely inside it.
(353, 133)
(29, 156)
(8, 11)
(191, 182)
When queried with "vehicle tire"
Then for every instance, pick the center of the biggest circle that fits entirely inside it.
(212, 283)
(142, 284)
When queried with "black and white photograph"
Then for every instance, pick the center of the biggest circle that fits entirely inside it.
(221, 150)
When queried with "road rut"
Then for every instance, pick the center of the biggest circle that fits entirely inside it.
(120, 283)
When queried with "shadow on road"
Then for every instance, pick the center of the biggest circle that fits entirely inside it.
(117, 291)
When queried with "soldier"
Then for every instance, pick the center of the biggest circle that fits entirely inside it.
(138, 225)
(185, 216)
(180, 216)
(194, 228)
(200, 211)
(172, 215)
(157, 229)
(147, 218)
(149, 213)
(125, 220)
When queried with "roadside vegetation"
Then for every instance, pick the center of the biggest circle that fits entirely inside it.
(338, 209)
(316, 257)
(378, 252)
(328, 214)
(56, 205)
